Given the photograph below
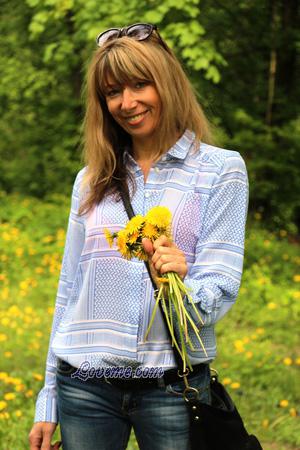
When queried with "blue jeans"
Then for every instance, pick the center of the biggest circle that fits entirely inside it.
(99, 416)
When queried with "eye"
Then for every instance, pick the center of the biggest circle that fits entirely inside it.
(141, 84)
(113, 92)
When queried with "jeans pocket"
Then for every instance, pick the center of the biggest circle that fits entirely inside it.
(200, 381)
(64, 368)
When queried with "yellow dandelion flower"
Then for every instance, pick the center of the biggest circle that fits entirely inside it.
(134, 224)
(9, 396)
(150, 231)
(272, 306)
(249, 355)
(3, 337)
(8, 354)
(296, 278)
(296, 295)
(159, 216)
(226, 381)
(109, 237)
(297, 361)
(20, 387)
(260, 330)
(293, 412)
(18, 413)
(235, 385)
(265, 423)
(133, 237)
(122, 245)
(38, 376)
(39, 270)
(239, 346)
(287, 361)
(5, 321)
(29, 393)
(283, 403)
(3, 405)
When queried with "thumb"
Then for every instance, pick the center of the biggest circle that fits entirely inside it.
(148, 246)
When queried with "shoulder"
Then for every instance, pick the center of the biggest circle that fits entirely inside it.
(219, 160)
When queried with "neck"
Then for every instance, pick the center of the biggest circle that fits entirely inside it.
(144, 150)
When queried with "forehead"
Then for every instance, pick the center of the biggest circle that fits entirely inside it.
(119, 67)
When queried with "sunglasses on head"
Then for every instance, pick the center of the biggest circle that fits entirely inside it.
(137, 31)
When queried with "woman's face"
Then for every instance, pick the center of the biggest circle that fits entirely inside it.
(135, 106)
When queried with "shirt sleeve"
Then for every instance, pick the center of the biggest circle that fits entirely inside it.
(215, 276)
(46, 404)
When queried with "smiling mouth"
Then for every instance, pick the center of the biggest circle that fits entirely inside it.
(136, 117)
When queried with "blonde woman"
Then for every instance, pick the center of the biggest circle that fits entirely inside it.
(145, 132)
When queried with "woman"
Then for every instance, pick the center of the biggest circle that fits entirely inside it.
(144, 131)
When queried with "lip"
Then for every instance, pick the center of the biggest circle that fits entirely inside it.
(137, 121)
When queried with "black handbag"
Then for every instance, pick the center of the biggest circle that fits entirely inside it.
(217, 426)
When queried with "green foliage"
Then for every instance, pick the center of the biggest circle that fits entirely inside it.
(258, 353)
(226, 51)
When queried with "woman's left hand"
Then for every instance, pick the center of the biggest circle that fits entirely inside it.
(165, 256)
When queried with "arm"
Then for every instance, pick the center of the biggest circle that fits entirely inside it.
(46, 407)
(215, 276)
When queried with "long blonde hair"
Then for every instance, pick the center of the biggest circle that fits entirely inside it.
(125, 59)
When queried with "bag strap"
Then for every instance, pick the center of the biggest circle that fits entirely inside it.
(130, 213)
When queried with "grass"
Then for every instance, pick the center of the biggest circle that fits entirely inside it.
(258, 359)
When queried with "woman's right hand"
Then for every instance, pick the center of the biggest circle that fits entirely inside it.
(40, 436)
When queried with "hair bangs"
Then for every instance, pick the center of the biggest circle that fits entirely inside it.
(122, 65)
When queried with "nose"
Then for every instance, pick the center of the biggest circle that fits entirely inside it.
(128, 99)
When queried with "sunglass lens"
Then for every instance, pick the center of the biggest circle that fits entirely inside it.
(139, 32)
(107, 36)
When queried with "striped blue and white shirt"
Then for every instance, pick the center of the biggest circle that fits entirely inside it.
(104, 302)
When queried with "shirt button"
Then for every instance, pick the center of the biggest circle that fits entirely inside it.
(147, 194)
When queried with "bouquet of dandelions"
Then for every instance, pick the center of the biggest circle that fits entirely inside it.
(171, 291)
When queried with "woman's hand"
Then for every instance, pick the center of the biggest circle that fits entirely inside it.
(40, 436)
(164, 256)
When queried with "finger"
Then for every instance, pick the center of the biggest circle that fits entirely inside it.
(148, 246)
(179, 268)
(168, 253)
(163, 241)
(46, 442)
(56, 445)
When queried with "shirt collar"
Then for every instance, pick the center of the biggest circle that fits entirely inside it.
(179, 150)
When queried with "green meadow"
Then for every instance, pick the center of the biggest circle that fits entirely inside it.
(258, 341)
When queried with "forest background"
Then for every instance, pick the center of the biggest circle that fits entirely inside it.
(243, 60)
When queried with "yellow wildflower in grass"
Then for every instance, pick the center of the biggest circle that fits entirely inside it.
(283, 403)
(293, 412)
(39, 270)
(235, 385)
(38, 334)
(265, 423)
(272, 306)
(3, 337)
(297, 361)
(287, 361)
(239, 346)
(19, 252)
(38, 376)
(8, 354)
(9, 396)
(20, 387)
(296, 278)
(18, 413)
(3, 375)
(3, 405)
(5, 321)
(29, 393)
(296, 295)
(249, 355)
(260, 330)
(226, 381)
